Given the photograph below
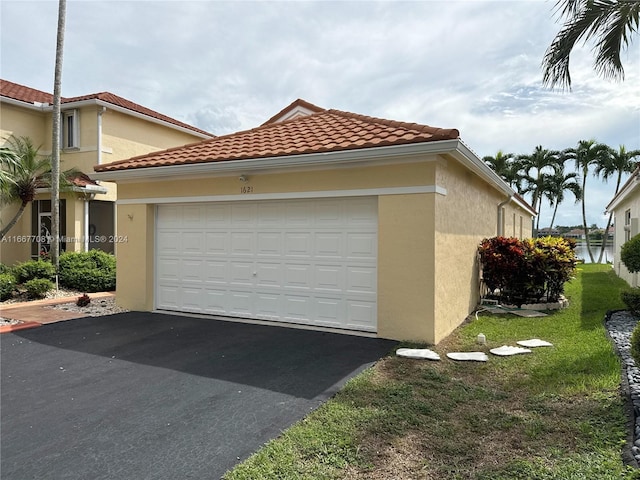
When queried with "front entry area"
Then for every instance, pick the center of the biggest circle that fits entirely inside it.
(302, 261)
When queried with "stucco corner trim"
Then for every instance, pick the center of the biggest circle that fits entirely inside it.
(364, 192)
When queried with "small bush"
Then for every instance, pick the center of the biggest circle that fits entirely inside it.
(631, 298)
(93, 271)
(635, 345)
(630, 254)
(7, 285)
(34, 269)
(38, 287)
(527, 270)
(4, 268)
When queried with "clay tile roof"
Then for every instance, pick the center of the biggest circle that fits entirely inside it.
(81, 180)
(19, 92)
(324, 131)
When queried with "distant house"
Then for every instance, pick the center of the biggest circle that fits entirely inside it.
(548, 232)
(96, 129)
(576, 234)
(626, 210)
(321, 218)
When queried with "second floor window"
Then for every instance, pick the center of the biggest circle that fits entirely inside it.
(70, 129)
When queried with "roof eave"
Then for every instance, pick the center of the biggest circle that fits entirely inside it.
(376, 155)
(40, 107)
(632, 183)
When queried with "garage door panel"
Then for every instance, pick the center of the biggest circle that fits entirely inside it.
(298, 244)
(241, 303)
(168, 241)
(243, 214)
(330, 277)
(361, 279)
(269, 275)
(243, 243)
(298, 276)
(306, 261)
(241, 274)
(216, 243)
(215, 301)
(269, 244)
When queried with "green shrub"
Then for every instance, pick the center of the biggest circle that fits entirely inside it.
(635, 345)
(93, 271)
(519, 271)
(33, 269)
(7, 285)
(630, 254)
(4, 268)
(38, 287)
(631, 298)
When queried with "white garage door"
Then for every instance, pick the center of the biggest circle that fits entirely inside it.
(311, 261)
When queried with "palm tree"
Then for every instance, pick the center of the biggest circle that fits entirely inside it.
(588, 153)
(558, 184)
(610, 23)
(55, 143)
(536, 169)
(25, 171)
(617, 163)
(507, 168)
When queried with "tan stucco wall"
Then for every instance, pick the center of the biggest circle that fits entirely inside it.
(21, 122)
(125, 136)
(135, 254)
(632, 202)
(405, 267)
(463, 218)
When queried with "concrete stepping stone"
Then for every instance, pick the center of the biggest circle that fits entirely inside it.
(468, 356)
(506, 351)
(418, 353)
(534, 342)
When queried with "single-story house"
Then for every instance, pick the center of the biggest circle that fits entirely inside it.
(625, 206)
(321, 218)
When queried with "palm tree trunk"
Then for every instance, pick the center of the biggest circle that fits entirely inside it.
(14, 220)
(55, 144)
(553, 218)
(584, 217)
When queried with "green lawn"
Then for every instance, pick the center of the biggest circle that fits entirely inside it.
(553, 414)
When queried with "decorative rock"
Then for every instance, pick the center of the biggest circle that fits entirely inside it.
(468, 356)
(534, 342)
(505, 351)
(418, 353)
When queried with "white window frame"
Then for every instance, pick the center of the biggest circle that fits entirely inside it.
(70, 130)
(627, 225)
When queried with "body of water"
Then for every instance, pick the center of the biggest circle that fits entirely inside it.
(583, 254)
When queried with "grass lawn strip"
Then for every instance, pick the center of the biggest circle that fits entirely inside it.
(553, 414)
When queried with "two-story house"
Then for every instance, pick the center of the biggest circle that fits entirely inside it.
(96, 129)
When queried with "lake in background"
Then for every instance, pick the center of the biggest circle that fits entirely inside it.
(582, 253)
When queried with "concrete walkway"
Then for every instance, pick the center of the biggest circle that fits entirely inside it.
(38, 311)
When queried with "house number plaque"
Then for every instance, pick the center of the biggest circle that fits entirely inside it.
(246, 189)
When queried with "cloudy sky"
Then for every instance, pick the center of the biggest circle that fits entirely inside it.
(229, 66)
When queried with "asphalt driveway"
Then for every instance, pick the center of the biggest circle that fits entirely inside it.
(152, 396)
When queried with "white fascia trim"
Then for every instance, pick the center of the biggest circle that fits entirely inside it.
(133, 113)
(40, 107)
(253, 165)
(364, 192)
(85, 189)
